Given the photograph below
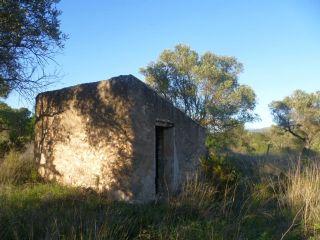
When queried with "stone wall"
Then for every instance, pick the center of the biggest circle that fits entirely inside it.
(84, 136)
(102, 136)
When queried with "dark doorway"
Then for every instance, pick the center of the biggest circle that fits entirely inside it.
(159, 180)
(163, 160)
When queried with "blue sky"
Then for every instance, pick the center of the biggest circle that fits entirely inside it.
(277, 41)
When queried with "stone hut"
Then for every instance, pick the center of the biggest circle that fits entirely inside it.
(116, 136)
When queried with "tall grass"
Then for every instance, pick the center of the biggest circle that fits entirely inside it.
(196, 192)
(17, 168)
(206, 208)
(302, 195)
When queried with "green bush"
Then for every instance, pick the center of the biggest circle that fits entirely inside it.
(4, 147)
(228, 168)
(219, 169)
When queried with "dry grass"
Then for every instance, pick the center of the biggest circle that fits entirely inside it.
(198, 193)
(302, 195)
(17, 168)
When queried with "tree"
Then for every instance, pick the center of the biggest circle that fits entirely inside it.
(299, 115)
(16, 127)
(29, 38)
(282, 141)
(205, 87)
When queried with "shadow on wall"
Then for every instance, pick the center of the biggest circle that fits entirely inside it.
(84, 137)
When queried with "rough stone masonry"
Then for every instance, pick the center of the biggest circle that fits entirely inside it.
(116, 136)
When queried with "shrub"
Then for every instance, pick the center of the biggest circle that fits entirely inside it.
(4, 147)
(219, 169)
(18, 168)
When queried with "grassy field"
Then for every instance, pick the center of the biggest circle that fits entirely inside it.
(284, 205)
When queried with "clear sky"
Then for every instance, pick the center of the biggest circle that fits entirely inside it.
(277, 41)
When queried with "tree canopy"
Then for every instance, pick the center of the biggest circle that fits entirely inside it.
(29, 37)
(16, 127)
(299, 115)
(204, 86)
